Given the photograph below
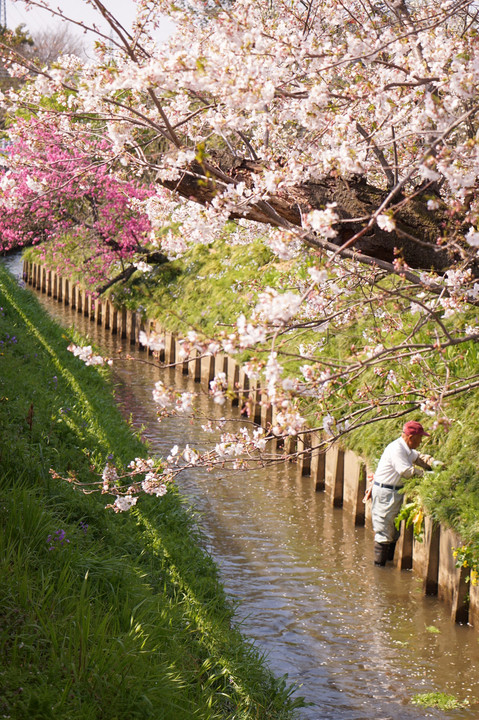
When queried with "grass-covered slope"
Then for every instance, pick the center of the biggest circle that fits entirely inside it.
(102, 615)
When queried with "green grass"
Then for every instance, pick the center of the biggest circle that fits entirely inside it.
(437, 700)
(103, 615)
(206, 289)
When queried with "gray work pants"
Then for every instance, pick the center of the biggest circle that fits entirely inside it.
(386, 505)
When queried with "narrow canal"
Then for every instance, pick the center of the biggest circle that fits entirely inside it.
(360, 641)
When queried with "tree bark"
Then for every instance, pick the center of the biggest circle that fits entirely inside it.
(415, 239)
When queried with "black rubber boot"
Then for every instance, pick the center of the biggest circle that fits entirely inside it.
(381, 551)
(391, 549)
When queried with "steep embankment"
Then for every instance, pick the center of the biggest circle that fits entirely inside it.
(118, 616)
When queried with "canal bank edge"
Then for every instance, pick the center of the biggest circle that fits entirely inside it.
(339, 472)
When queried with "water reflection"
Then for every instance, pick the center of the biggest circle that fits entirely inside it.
(355, 637)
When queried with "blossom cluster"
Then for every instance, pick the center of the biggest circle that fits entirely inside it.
(53, 191)
(85, 353)
(172, 401)
(143, 475)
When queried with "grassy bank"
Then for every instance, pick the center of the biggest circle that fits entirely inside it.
(103, 616)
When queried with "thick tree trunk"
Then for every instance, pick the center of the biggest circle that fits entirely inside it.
(417, 229)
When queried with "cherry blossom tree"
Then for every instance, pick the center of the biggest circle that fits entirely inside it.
(346, 134)
(56, 193)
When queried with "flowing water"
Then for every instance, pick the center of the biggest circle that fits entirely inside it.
(360, 641)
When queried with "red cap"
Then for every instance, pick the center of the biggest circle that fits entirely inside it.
(414, 428)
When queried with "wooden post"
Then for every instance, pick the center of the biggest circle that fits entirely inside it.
(113, 319)
(290, 445)
(159, 331)
(304, 457)
(243, 387)
(98, 311)
(49, 283)
(474, 605)
(148, 327)
(197, 366)
(106, 318)
(128, 319)
(122, 323)
(318, 463)
(335, 474)
(133, 322)
(85, 311)
(354, 486)
(126, 322)
(182, 357)
(207, 370)
(258, 409)
(233, 381)
(66, 292)
(100, 316)
(252, 401)
(452, 586)
(266, 412)
(460, 601)
(425, 557)
(221, 364)
(404, 546)
(170, 348)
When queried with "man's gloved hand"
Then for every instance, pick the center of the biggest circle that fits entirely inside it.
(424, 461)
(427, 462)
(418, 472)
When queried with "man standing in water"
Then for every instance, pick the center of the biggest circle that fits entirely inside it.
(398, 461)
